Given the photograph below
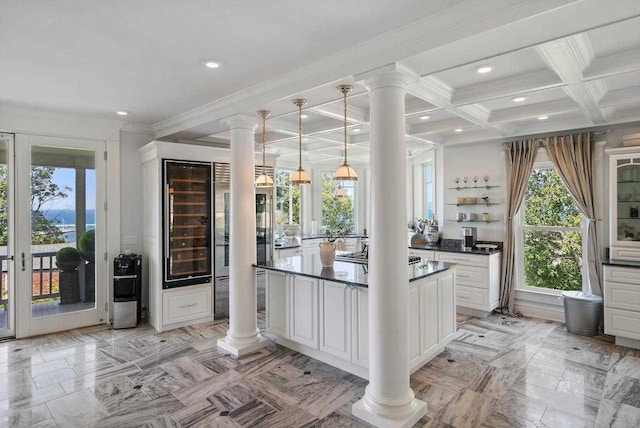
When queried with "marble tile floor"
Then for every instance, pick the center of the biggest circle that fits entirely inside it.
(498, 372)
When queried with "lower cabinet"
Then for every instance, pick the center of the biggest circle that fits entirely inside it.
(429, 301)
(304, 310)
(335, 319)
(186, 304)
(446, 299)
(332, 319)
(277, 302)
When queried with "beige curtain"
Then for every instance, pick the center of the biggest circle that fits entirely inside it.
(572, 155)
(519, 157)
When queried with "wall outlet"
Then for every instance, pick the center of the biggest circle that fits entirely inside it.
(130, 240)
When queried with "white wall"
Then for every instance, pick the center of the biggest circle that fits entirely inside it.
(131, 197)
(475, 159)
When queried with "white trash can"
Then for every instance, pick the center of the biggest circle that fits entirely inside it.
(582, 312)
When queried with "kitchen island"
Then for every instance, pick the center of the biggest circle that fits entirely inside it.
(323, 313)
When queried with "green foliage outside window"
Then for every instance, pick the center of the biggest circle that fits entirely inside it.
(43, 190)
(337, 213)
(552, 258)
(287, 199)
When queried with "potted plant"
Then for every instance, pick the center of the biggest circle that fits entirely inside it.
(331, 243)
(68, 259)
(87, 247)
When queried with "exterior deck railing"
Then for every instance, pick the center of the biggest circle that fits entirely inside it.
(45, 276)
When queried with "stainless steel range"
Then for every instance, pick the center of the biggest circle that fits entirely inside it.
(362, 257)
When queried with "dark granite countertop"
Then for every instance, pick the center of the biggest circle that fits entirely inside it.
(322, 235)
(345, 272)
(455, 246)
(621, 263)
(287, 246)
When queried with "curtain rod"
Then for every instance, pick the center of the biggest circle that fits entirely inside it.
(541, 140)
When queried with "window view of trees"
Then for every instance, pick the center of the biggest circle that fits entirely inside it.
(43, 191)
(337, 213)
(287, 199)
(552, 234)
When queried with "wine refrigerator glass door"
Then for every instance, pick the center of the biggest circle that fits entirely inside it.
(187, 220)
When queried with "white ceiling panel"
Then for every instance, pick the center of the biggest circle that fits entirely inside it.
(615, 38)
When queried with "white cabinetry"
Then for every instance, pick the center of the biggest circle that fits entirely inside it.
(181, 306)
(425, 254)
(477, 281)
(329, 321)
(624, 191)
(304, 310)
(311, 246)
(335, 319)
(277, 303)
(283, 253)
(622, 304)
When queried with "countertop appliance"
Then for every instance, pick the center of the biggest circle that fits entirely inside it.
(469, 238)
(127, 290)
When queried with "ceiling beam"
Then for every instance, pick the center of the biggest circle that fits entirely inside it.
(508, 86)
(533, 110)
(610, 65)
(335, 110)
(568, 58)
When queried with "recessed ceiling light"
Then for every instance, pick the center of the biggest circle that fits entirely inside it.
(304, 116)
(457, 130)
(122, 112)
(484, 69)
(425, 117)
(305, 139)
(519, 99)
(211, 63)
(356, 130)
(543, 117)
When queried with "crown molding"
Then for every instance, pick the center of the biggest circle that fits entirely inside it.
(611, 65)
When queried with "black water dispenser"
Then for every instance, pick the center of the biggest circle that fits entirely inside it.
(127, 290)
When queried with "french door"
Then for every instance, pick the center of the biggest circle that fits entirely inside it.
(7, 234)
(60, 240)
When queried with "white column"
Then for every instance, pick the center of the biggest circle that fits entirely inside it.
(243, 336)
(388, 400)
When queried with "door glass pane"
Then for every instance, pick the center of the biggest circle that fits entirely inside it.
(5, 319)
(63, 221)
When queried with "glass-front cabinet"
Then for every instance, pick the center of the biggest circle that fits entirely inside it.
(624, 194)
(187, 225)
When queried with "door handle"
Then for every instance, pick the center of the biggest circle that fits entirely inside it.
(24, 263)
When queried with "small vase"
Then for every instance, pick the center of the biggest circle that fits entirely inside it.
(327, 254)
(433, 234)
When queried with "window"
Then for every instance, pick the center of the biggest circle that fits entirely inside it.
(338, 213)
(551, 244)
(287, 199)
(428, 191)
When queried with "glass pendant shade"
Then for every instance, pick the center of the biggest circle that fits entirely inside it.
(345, 173)
(340, 193)
(300, 176)
(264, 180)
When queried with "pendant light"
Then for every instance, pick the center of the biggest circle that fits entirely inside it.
(300, 176)
(345, 172)
(263, 179)
(340, 192)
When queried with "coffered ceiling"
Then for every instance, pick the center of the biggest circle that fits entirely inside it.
(585, 80)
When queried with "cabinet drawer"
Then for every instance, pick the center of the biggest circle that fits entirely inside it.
(622, 274)
(473, 276)
(311, 243)
(622, 296)
(618, 322)
(186, 305)
(425, 254)
(463, 259)
(625, 253)
(471, 297)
